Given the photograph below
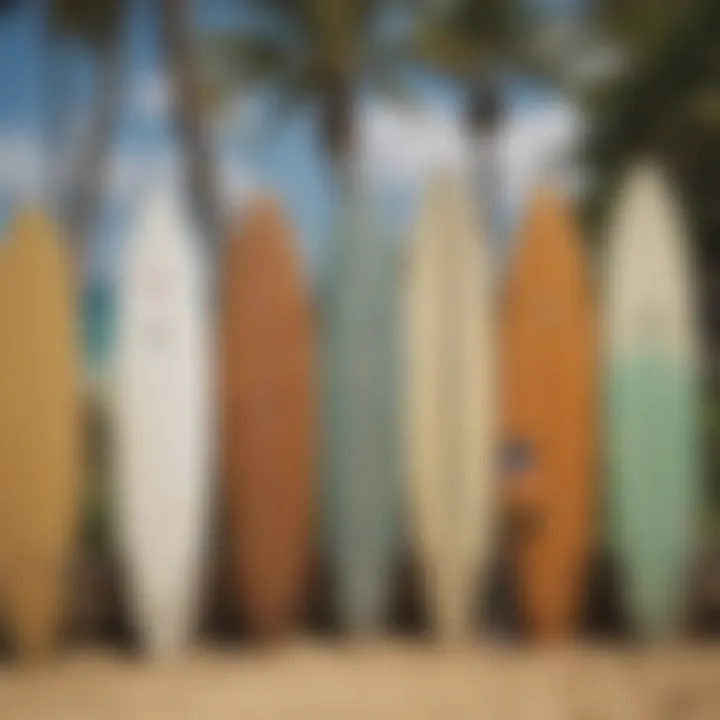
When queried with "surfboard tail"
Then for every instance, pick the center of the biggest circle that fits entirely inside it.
(34, 598)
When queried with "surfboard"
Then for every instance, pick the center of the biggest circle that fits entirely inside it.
(450, 409)
(162, 425)
(40, 449)
(359, 368)
(548, 385)
(651, 349)
(269, 413)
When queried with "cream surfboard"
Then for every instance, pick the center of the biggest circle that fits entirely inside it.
(40, 454)
(652, 367)
(162, 426)
(450, 404)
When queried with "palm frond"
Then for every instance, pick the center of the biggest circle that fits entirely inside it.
(437, 48)
(654, 109)
(238, 60)
(96, 23)
(461, 37)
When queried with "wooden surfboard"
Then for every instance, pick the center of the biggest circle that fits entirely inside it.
(450, 411)
(269, 419)
(651, 347)
(360, 397)
(162, 426)
(549, 404)
(40, 453)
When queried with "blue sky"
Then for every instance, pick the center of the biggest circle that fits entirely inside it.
(399, 146)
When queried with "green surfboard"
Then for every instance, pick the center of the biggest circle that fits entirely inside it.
(652, 404)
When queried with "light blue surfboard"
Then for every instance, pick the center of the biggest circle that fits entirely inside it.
(359, 306)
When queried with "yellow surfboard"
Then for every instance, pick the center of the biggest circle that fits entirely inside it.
(39, 430)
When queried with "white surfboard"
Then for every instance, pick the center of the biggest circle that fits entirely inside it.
(450, 404)
(163, 424)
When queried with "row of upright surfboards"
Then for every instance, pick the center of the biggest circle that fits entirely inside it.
(451, 415)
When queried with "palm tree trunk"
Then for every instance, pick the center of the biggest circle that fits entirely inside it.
(82, 204)
(485, 115)
(200, 170)
(53, 118)
(337, 131)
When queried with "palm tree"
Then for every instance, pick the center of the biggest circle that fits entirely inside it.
(319, 51)
(474, 42)
(99, 26)
(79, 193)
(666, 103)
(190, 109)
(471, 41)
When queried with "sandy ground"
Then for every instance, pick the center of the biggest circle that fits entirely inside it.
(388, 679)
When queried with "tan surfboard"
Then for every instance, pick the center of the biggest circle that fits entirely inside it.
(548, 386)
(450, 417)
(39, 430)
(269, 413)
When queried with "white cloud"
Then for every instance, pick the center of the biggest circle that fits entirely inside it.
(237, 184)
(21, 165)
(401, 147)
(538, 146)
(133, 171)
(150, 96)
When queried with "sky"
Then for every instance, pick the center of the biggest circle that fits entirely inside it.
(399, 145)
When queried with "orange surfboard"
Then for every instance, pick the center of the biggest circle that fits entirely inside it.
(39, 430)
(548, 370)
(269, 408)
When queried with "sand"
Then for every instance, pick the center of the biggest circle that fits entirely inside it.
(384, 679)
